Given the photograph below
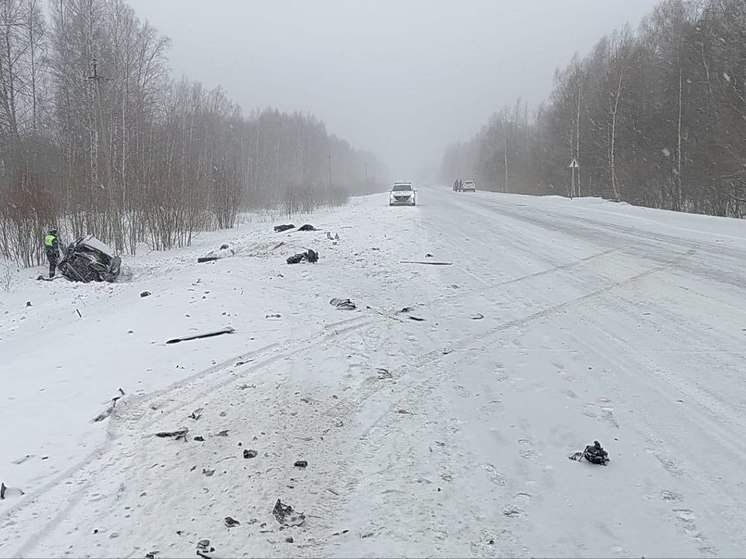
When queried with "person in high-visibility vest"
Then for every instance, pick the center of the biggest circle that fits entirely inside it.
(52, 248)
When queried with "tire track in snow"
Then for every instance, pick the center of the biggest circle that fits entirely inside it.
(65, 495)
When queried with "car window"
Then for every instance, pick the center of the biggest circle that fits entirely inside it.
(402, 187)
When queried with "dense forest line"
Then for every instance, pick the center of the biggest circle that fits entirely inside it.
(96, 136)
(654, 118)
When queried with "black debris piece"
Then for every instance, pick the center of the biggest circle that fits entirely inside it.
(231, 522)
(428, 255)
(429, 262)
(309, 256)
(477, 316)
(6, 492)
(286, 516)
(203, 545)
(152, 554)
(343, 304)
(196, 414)
(595, 454)
(178, 434)
(301, 464)
(226, 330)
(145, 294)
(224, 432)
(416, 319)
(406, 310)
(248, 453)
(384, 373)
(108, 411)
(281, 228)
(289, 539)
(208, 472)
(207, 259)
(223, 247)
(199, 438)
(307, 227)
(28, 304)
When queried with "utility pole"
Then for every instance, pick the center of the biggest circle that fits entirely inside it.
(96, 78)
(506, 163)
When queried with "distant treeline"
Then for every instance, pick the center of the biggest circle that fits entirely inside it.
(656, 118)
(95, 136)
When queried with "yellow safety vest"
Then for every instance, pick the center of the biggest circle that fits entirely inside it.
(49, 240)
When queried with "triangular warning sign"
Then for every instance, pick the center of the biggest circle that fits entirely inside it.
(573, 164)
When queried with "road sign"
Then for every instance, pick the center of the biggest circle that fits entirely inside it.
(573, 164)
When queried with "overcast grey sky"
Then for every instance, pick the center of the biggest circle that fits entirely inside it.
(402, 78)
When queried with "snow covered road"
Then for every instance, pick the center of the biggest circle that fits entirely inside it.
(559, 322)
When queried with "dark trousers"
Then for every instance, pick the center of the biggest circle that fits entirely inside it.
(53, 258)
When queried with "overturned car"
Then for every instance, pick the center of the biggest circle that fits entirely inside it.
(88, 259)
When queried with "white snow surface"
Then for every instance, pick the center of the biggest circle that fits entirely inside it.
(443, 437)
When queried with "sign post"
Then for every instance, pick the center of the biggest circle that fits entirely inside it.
(573, 165)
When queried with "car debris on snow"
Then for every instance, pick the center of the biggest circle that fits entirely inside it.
(231, 522)
(196, 414)
(286, 516)
(249, 453)
(224, 432)
(343, 304)
(301, 463)
(307, 227)
(223, 252)
(417, 318)
(431, 263)
(145, 294)
(384, 374)
(310, 256)
(108, 411)
(226, 330)
(178, 434)
(281, 228)
(594, 454)
(6, 492)
(476, 316)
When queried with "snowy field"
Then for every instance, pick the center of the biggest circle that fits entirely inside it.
(558, 323)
